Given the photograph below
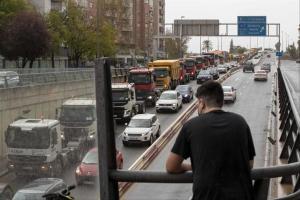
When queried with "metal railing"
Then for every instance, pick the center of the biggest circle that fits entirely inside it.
(110, 176)
(290, 128)
(31, 77)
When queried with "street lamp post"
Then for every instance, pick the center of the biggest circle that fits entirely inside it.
(180, 44)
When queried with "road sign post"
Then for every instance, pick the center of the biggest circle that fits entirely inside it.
(252, 25)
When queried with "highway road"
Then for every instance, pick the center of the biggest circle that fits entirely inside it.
(291, 70)
(253, 102)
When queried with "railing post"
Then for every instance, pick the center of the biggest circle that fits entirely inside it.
(261, 189)
(105, 131)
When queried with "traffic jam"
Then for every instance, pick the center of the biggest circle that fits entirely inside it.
(44, 148)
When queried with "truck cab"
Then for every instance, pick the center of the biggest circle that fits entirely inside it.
(190, 67)
(144, 82)
(167, 73)
(34, 147)
(124, 101)
(184, 77)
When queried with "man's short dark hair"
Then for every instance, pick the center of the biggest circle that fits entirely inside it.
(212, 93)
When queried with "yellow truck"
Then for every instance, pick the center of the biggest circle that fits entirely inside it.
(167, 73)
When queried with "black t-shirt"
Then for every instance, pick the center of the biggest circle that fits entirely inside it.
(220, 146)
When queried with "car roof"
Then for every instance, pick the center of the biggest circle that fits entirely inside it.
(34, 123)
(41, 185)
(260, 71)
(226, 86)
(170, 92)
(143, 116)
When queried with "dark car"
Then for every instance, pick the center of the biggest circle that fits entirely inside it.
(186, 92)
(214, 72)
(6, 192)
(248, 66)
(203, 76)
(39, 187)
(266, 67)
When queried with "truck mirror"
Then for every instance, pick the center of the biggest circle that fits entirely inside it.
(57, 113)
(132, 95)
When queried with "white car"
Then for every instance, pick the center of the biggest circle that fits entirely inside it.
(142, 128)
(229, 93)
(169, 100)
(9, 79)
(260, 75)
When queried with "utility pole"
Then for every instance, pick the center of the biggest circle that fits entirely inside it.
(180, 45)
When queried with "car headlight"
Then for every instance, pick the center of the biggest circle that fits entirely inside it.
(147, 133)
(149, 97)
(91, 136)
(174, 104)
(157, 104)
(186, 95)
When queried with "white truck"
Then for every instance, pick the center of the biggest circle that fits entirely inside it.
(77, 117)
(35, 148)
(124, 101)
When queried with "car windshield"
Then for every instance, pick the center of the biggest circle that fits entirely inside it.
(139, 123)
(90, 158)
(189, 63)
(77, 113)
(28, 196)
(161, 72)
(38, 138)
(139, 78)
(168, 96)
(227, 89)
(182, 88)
(204, 72)
(121, 95)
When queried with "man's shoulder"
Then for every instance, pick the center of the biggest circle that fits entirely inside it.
(236, 116)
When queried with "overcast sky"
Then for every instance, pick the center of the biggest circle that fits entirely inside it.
(285, 12)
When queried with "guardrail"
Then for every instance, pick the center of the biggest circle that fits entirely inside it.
(48, 76)
(290, 128)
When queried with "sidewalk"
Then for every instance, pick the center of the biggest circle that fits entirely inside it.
(3, 166)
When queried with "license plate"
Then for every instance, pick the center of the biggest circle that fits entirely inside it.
(115, 116)
(27, 168)
(134, 138)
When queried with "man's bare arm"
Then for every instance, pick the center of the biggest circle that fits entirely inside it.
(175, 164)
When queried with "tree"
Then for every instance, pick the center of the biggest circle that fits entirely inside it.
(277, 46)
(80, 37)
(292, 51)
(107, 37)
(207, 45)
(26, 37)
(231, 46)
(57, 30)
(173, 47)
(9, 8)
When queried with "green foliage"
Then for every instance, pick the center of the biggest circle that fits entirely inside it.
(207, 45)
(56, 28)
(174, 48)
(9, 8)
(80, 35)
(292, 51)
(107, 37)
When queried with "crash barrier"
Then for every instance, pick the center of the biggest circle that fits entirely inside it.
(290, 130)
(68, 75)
(150, 154)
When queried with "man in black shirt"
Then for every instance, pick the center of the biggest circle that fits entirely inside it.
(221, 149)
